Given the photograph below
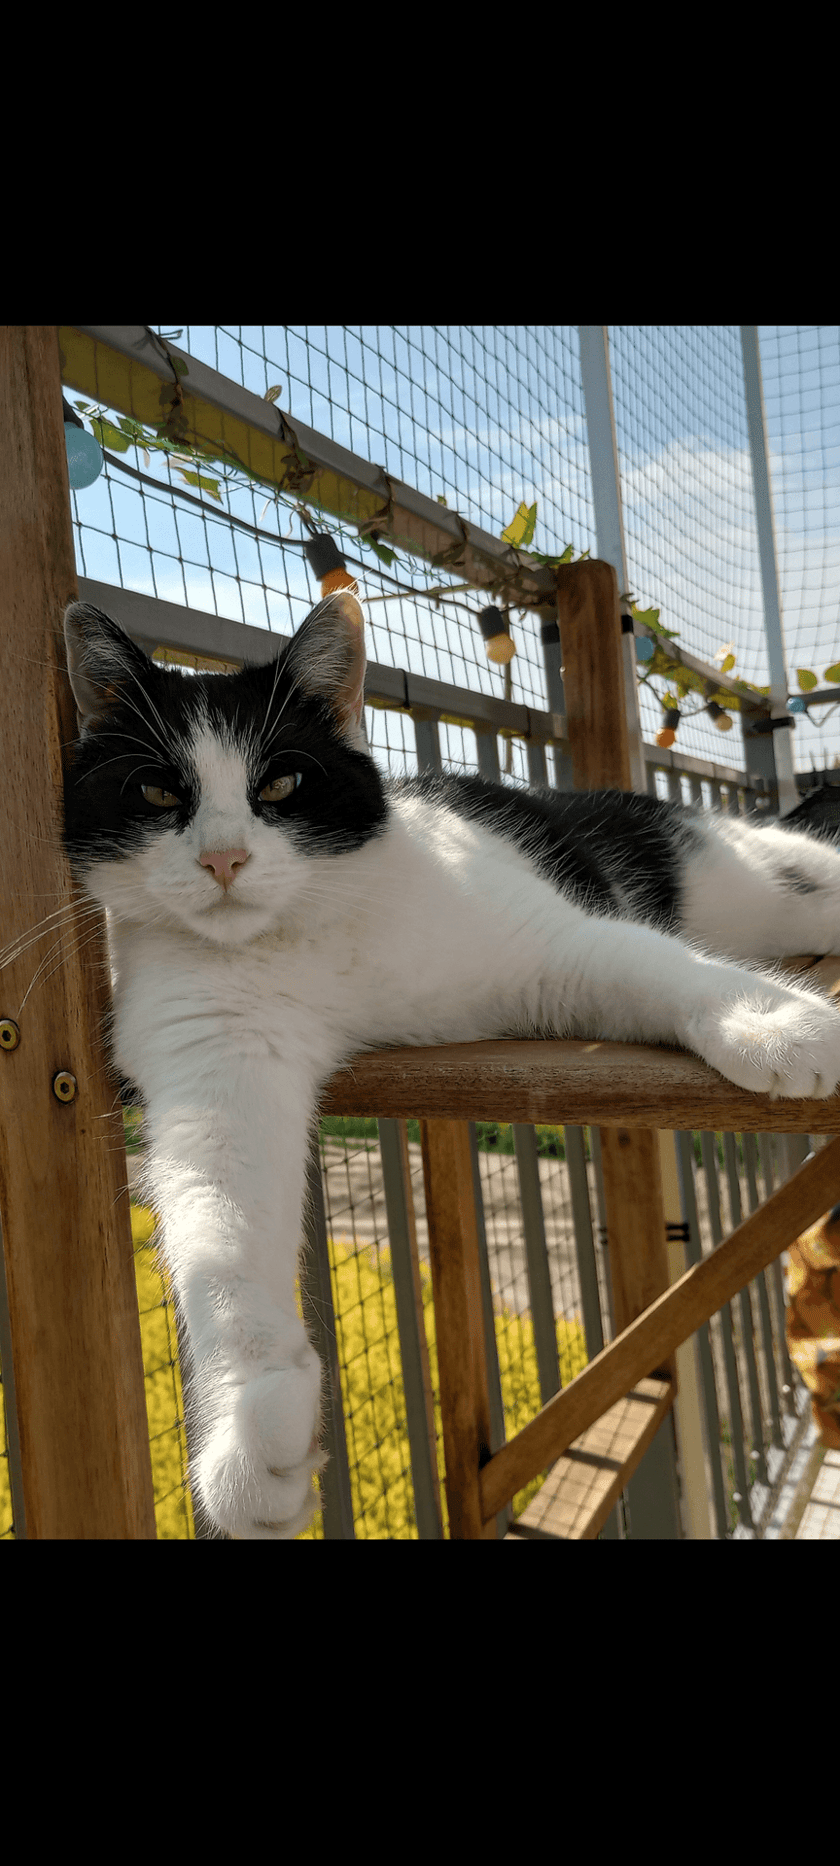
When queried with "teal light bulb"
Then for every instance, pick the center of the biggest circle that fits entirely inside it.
(85, 458)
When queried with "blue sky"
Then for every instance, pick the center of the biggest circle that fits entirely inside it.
(488, 416)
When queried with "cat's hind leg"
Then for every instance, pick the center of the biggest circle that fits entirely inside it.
(762, 893)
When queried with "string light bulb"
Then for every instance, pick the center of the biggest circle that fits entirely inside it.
(495, 627)
(327, 564)
(721, 720)
(326, 561)
(85, 458)
(668, 733)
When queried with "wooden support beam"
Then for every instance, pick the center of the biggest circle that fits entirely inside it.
(74, 1328)
(459, 1322)
(586, 1482)
(643, 1348)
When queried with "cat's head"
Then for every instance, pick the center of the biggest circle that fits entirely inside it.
(214, 800)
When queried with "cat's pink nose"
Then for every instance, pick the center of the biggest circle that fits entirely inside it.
(225, 864)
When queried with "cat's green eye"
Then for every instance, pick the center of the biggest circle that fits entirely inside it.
(165, 799)
(280, 789)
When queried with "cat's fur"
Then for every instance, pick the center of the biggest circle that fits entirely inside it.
(367, 913)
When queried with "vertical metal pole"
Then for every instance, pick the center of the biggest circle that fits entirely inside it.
(414, 1356)
(701, 1341)
(555, 697)
(319, 1322)
(788, 793)
(487, 755)
(536, 1258)
(504, 1516)
(606, 496)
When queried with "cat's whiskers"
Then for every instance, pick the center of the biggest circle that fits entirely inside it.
(132, 773)
(277, 670)
(81, 913)
(86, 934)
(107, 687)
(151, 705)
(295, 683)
(42, 977)
(294, 751)
(124, 738)
(42, 927)
(86, 937)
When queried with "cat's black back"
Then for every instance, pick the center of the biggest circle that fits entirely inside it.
(611, 851)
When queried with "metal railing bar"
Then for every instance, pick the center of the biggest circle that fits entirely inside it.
(584, 1241)
(487, 752)
(319, 1319)
(536, 1259)
(504, 1516)
(746, 1315)
(736, 1423)
(776, 1283)
(424, 1473)
(751, 1145)
(685, 1167)
(703, 768)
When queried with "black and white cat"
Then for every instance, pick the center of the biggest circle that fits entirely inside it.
(274, 904)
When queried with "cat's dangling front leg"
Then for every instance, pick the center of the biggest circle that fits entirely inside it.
(226, 1173)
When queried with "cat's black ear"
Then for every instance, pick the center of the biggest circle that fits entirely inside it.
(327, 658)
(101, 658)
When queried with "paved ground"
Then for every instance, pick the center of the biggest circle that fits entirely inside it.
(821, 1516)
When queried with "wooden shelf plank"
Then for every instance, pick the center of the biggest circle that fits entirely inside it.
(585, 1484)
(584, 1084)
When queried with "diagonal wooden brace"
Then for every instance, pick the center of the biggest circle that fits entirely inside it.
(642, 1348)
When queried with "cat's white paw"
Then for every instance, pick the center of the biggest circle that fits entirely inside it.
(775, 1041)
(254, 1473)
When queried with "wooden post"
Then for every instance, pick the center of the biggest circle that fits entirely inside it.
(74, 1327)
(635, 1220)
(593, 676)
(459, 1322)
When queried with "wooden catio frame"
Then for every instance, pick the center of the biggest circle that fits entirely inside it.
(72, 1362)
(72, 1365)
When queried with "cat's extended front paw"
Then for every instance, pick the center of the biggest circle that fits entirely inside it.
(777, 1042)
(254, 1473)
